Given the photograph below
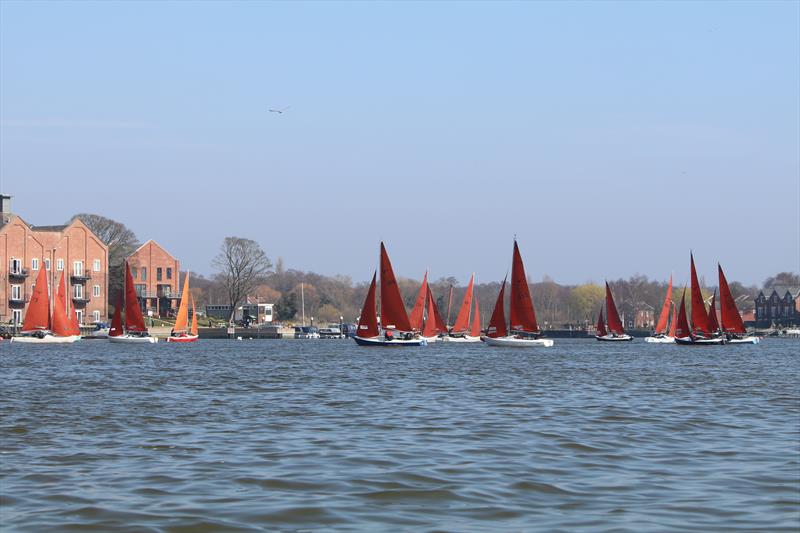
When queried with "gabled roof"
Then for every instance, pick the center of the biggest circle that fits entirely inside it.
(61, 227)
(147, 243)
(781, 290)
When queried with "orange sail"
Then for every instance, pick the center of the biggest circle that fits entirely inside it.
(419, 305)
(182, 320)
(134, 321)
(393, 311)
(193, 330)
(475, 330)
(462, 320)
(712, 314)
(116, 321)
(614, 323)
(523, 315)
(368, 321)
(674, 322)
(61, 323)
(431, 328)
(73, 319)
(601, 325)
(37, 317)
(700, 320)
(497, 324)
(731, 319)
(682, 329)
(661, 326)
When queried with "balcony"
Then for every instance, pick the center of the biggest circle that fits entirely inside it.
(80, 300)
(17, 303)
(80, 277)
(18, 273)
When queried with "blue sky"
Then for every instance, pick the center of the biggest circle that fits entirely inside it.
(611, 138)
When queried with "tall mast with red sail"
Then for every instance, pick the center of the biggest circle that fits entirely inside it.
(601, 325)
(661, 326)
(393, 311)
(522, 315)
(37, 316)
(368, 321)
(61, 323)
(419, 305)
(700, 321)
(497, 324)
(462, 320)
(134, 321)
(731, 319)
(614, 323)
(682, 329)
(712, 314)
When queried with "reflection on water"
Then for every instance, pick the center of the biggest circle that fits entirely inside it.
(323, 435)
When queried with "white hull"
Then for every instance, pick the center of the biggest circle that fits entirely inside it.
(744, 340)
(382, 341)
(133, 339)
(465, 338)
(660, 339)
(431, 339)
(515, 342)
(714, 341)
(614, 338)
(47, 339)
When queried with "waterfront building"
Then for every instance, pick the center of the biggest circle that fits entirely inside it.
(257, 313)
(155, 275)
(69, 248)
(782, 306)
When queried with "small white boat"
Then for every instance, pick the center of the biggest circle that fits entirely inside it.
(39, 326)
(660, 339)
(129, 338)
(615, 331)
(381, 340)
(748, 339)
(512, 341)
(45, 338)
(134, 330)
(610, 337)
(462, 338)
(700, 341)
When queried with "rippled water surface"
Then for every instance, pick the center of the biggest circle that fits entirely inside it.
(323, 435)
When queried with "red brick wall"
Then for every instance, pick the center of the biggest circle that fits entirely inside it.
(152, 256)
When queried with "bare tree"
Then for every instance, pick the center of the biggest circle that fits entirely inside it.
(241, 266)
(121, 242)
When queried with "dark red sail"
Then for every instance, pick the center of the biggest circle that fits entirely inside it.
(712, 314)
(523, 315)
(601, 325)
(614, 323)
(368, 321)
(731, 319)
(497, 324)
(661, 326)
(419, 305)
(682, 329)
(393, 310)
(700, 320)
(134, 321)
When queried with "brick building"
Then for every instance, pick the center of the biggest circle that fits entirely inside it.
(155, 275)
(782, 306)
(71, 248)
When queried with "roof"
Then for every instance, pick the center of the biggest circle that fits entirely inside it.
(61, 227)
(794, 290)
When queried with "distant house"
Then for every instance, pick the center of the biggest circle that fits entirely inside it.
(258, 313)
(155, 277)
(782, 306)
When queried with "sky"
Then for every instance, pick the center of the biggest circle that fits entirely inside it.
(610, 138)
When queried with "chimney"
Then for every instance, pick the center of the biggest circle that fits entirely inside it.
(5, 208)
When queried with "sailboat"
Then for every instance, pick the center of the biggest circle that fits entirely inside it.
(660, 334)
(523, 330)
(395, 328)
(435, 328)
(732, 324)
(181, 332)
(462, 330)
(134, 330)
(616, 332)
(39, 326)
(418, 312)
(701, 332)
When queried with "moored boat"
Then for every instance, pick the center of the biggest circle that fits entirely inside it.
(660, 334)
(134, 330)
(615, 331)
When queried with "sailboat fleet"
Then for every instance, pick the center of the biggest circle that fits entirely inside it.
(49, 320)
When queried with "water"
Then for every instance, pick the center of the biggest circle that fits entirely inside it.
(322, 435)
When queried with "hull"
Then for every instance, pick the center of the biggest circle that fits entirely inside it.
(744, 340)
(133, 339)
(660, 339)
(688, 341)
(186, 338)
(47, 339)
(514, 342)
(465, 338)
(431, 339)
(381, 341)
(612, 338)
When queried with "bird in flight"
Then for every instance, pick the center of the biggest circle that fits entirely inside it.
(279, 111)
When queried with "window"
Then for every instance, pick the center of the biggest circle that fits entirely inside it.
(134, 272)
(59, 264)
(16, 266)
(169, 272)
(96, 291)
(96, 265)
(77, 291)
(77, 268)
(47, 264)
(16, 292)
(35, 263)
(144, 273)
(96, 316)
(16, 317)
(141, 290)
(158, 274)
(79, 313)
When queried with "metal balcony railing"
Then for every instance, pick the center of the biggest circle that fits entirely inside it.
(81, 276)
(81, 300)
(19, 273)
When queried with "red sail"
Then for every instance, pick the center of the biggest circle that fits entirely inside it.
(61, 323)
(601, 325)
(674, 322)
(368, 321)
(682, 329)
(614, 323)
(475, 331)
(441, 327)
(419, 305)
(449, 305)
(731, 319)
(661, 327)
(37, 317)
(116, 321)
(523, 316)
(393, 311)
(462, 320)
(497, 324)
(73, 320)
(700, 320)
(712, 314)
(134, 321)
(431, 327)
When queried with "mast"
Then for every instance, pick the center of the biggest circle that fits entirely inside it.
(462, 320)
(497, 324)
(731, 319)
(523, 315)
(614, 323)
